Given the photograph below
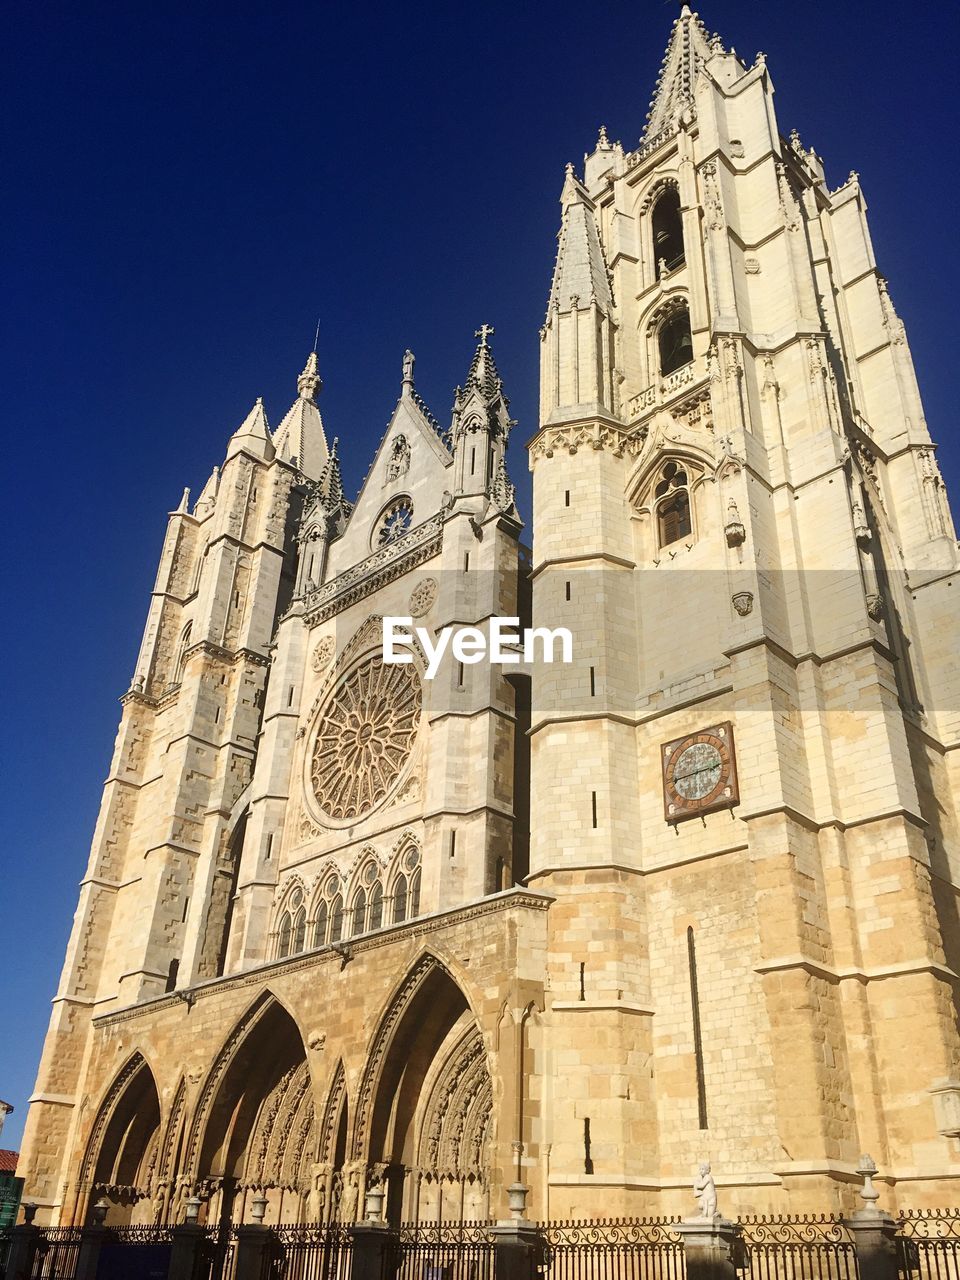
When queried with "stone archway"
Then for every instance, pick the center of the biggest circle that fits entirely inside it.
(121, 1158)
(256, 1128)
(425, 1105)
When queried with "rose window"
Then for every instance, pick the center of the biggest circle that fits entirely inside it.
(364, 738)
(394, 522)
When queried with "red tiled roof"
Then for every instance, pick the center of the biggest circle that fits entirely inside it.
(8, 1161)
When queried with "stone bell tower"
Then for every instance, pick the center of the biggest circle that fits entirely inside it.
(745, 786)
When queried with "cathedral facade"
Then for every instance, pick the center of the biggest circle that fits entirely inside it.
(581, 925)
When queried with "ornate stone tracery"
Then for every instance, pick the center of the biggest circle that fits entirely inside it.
(364, 738)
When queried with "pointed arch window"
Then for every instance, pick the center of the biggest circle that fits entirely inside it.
(672, 496)
(675, 341)
(376, 905)
(406, 886)
(321, 924)
(668, 251)
(360, 912)
(400, 899)
(336, 918)
(285, 935)
(182, 651)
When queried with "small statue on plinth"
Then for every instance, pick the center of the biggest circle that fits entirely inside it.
(705, 1192)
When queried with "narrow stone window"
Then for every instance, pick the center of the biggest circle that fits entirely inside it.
(336, 918)
(675, 342)
(400, 900)
(583, 987)
(668, 232)
(566, 497)
(360, 912)
(466, 561)
(290, 696)
(415, 893)
(376, 906)
(672, 496)
(285, 935)
(172, 974)
(453, 843)
(269, 852)
(593, 806)
(186, 908)
(568, 590)
(697, 1038)
(593, 682)
(320, 926)
(587, 1159)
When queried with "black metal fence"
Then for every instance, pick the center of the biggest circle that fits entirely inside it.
(925, 1246)
(57, 1256)
(445, 1251)
(314, 1251)
(621, 1249)
(928, 1244)
(796, 1247)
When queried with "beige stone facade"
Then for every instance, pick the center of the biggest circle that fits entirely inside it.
(343, 924)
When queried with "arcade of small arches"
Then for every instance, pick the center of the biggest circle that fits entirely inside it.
(371, 900)
(308, 1135)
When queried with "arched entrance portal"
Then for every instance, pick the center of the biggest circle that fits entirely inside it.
(430, 1118)
(259, 1127)
(121, 1158)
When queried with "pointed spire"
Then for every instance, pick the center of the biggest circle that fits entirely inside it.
(689, 48)
(331, 481)
(184, 506)
(483, 369)
(309, 382)
(580, 274)
(299, 438)
(253, 434)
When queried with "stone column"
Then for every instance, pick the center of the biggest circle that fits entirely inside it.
(518, 1246)
(187, 1252)
(710, 1247)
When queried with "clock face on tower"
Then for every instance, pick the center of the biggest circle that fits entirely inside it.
(699, 773)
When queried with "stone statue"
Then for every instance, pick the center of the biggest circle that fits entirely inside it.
(705, 1192)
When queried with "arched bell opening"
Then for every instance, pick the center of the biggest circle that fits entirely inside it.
(124, 1147)
(260, 1134)
(430, 1118)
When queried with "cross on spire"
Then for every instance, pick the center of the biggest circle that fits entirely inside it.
(484, 332)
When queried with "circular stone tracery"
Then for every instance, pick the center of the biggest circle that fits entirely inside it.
(364, 738)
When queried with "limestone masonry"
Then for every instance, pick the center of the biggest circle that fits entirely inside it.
(691, 896)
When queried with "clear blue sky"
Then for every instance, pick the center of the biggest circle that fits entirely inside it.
(189, 186)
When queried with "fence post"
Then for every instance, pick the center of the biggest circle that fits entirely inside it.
(24, 1243)
(375, 1251)
(254, 1245)
(88, 1255)
(875, 1239)
(187, 1252)
(711, 1247)
(874, 1232)
(517, 1250)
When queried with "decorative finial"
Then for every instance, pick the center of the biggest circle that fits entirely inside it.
(334, 448)
(483, 333)
(569, 169)
(408, 362)
(185, 501)
(309, 382)
(602, 140)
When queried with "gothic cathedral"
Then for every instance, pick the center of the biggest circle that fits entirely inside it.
(691, 895)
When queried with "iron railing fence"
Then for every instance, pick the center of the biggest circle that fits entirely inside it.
(618, 1249)
(445, 1251)
(311, 1251)
(219, 1253)
(5, 1239)
(57, 1255)
(796, 1247)
(928, 1244)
